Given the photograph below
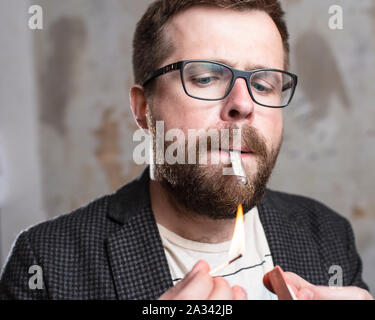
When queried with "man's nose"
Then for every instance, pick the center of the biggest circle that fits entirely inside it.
(238, 104)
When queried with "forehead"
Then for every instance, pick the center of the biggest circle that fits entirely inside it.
(239, 38)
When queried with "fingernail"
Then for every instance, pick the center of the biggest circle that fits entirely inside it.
(307, 294)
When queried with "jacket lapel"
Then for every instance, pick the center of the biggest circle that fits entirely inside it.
(290, 239)
(136, 255)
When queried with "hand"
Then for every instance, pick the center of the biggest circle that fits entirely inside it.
(308, 291)
(199, 285)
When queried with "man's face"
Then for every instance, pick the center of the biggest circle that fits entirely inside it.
(243, 40)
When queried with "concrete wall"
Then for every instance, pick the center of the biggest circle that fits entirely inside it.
(69, 140)
(20, 174)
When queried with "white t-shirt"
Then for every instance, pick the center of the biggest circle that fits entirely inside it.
(247, 271)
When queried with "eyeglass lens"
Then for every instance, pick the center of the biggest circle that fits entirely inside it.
(206, 80)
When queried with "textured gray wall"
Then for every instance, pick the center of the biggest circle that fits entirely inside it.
(20, 174)
(328, 152)
(82, 127)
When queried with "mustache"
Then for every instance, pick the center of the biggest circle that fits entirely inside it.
(229, 139)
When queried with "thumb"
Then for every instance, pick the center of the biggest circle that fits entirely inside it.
(200, 265)
(297, 281)
(305, 294)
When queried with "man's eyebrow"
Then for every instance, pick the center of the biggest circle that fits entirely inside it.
(248, 67)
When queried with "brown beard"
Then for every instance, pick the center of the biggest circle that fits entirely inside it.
(203, 190)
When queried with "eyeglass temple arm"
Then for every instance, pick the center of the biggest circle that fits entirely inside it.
(161, 71)
(287, 86)
(290, 84)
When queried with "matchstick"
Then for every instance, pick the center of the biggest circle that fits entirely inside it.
(222, 266)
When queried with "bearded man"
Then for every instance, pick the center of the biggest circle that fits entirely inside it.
(204, 65)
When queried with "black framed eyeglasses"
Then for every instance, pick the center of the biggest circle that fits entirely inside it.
(212, 81)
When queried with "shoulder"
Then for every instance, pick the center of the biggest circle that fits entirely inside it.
(83, 225)
(294, 204)
(326, 230)
(64, 248)
(307, 211)
(94, 221)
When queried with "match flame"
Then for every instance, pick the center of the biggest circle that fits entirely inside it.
(237, 246)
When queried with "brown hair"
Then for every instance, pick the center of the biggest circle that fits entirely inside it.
(150, 47)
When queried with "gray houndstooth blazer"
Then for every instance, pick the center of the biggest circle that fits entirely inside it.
(111, 249)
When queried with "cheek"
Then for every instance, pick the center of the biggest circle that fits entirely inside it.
(180, 111)
(272, 127)
(277, 129)
(278, 122)
(167, 107)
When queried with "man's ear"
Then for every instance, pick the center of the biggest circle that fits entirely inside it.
(138, 104)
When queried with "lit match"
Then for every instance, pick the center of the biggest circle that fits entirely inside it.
(222, 266)
(237, 246)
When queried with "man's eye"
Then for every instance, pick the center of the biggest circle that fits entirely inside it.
(205, 80)
(260, 88)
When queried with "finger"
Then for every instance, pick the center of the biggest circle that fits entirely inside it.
(298, 282)
(334, 293)
(200, 265)
(184, 288)
(292, 280)
(198, 287)
(239, 293)
(221, 290)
